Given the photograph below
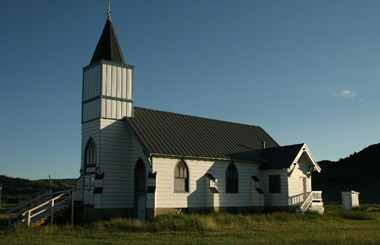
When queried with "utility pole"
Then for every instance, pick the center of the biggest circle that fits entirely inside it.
(1, 193)
(49, 182)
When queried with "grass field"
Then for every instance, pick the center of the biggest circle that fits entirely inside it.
(360, 226)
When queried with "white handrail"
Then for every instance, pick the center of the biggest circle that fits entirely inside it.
(311, 197)
(55, 199)
(43, 204)
(52, 204)
(28, 203)
(308, 200)
(21, 207)
(317, 195)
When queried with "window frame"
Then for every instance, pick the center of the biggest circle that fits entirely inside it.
(90, 154)
(140, 177)
(232, 184)
(274, 183)
(89, 181)
(181, 177)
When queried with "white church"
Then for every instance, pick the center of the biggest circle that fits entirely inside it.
(140, 163)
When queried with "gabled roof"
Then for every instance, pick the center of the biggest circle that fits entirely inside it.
(280, 157)
(165, 133)
(284, 156)
(108, 47)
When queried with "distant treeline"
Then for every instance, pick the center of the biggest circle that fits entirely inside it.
(359, 172)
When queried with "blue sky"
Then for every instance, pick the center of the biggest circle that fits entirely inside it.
(305, 71)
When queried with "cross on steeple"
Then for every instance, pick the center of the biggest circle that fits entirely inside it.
(108, 46)
(109, 10)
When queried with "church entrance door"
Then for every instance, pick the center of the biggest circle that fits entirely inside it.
(141, 208)
(140, 190)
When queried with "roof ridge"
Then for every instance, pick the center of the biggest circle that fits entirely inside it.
(285, 146)
(198, 117)
(174, 134)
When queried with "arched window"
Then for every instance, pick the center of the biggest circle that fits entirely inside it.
(232, 179)
(181, 177)
(140, 180)
(90, 154)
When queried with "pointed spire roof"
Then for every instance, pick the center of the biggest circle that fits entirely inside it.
(108, 47)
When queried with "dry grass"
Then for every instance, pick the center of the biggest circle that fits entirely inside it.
(360, 226)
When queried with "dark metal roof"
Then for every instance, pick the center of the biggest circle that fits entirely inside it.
(108, 47)
(280, 157)
(189, 136)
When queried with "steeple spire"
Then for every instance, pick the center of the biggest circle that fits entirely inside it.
(108, 47)
(109, 10)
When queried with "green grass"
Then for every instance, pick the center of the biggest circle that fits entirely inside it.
(336, 226)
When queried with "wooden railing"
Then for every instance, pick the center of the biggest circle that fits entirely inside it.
(296, 200)
(15, 212)
(42, 207)
(29, 203)
(314, 196)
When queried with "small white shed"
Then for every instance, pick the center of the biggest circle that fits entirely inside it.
(350, 199)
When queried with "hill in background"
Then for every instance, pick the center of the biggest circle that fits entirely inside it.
(15, 189)
(359, 172)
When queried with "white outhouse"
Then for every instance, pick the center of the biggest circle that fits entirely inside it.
(350, 199)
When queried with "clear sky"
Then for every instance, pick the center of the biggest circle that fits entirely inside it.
(305, 71)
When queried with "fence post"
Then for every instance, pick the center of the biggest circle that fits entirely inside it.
(28, 218)
(1, 193)
(52, 211)
(72, 207)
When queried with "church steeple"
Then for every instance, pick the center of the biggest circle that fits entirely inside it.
(107, 80)
(108, 47)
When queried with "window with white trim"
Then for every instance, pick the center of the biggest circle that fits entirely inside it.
(181, 177)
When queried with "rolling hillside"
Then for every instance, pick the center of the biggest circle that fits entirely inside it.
(15, 189)
(359, 172)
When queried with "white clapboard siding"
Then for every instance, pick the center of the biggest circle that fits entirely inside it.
(257, 198)
(114, 109)
(114, 164)
(117, 81)
(244, 196)
(275, 199)
(91, 110)
(297, 186)
(119, 154)
(117, 84)
(91, 82)
(90, 130)
(107, 92)
(198, 184)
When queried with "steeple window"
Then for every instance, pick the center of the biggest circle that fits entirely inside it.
(90, 154)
